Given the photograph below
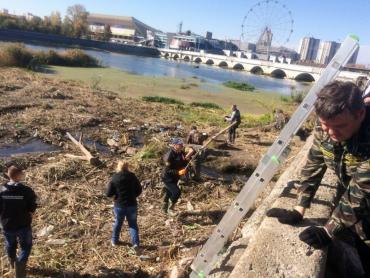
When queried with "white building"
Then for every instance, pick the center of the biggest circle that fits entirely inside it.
(4, 11)
(123, 28)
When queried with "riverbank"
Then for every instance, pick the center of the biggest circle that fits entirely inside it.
(187, 89)
(73, 223)
(8, 35)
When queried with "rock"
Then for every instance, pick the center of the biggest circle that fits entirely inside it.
(45, 231)
(56, 241)
(112, 143)
(131, 151)
(127, 121)
(181, 269)
(189, 206)
(144, 258)
(168, 222)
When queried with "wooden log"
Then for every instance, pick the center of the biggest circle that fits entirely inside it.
(95, 161)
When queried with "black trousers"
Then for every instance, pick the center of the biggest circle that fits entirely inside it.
(232, 134)
(348, 256)
(173, 192)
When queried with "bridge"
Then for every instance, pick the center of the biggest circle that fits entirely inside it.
(274, 69)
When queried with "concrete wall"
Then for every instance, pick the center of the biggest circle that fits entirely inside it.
(270, 249)
(57, 40)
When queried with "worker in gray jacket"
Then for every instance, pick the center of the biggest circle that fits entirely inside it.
(234, 117)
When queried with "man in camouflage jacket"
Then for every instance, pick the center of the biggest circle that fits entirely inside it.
(341, 143)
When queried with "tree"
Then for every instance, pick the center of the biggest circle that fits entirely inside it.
(36, 23)
(107, 34)
(67, 28)
(55, 22)
(77, 17)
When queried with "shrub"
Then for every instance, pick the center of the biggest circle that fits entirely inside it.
(78, 58)
(15, 55)
(164, 100)
(284, 99)
(297, 96)
(205, 105)
(241, 86)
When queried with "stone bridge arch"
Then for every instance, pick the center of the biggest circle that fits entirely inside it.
(278, 73)
(210, 62)
(304, 77)
(238, 66)
(186, 58)
(257, 70)
(176, 56)
(198, 60)
(223, 64)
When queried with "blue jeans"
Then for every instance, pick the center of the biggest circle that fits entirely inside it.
(24, 238)
(131, 214)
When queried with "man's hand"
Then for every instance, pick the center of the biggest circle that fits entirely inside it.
(285, 216)
(182, 172)
(317, 237)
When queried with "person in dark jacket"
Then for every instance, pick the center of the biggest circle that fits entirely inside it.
(124, 187)
(17, 203)
(175, 163)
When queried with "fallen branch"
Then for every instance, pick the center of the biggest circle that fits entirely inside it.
(95, 161)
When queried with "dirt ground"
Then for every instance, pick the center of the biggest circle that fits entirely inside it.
(72, 226)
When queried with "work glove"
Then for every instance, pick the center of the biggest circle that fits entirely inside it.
(285, 216)
(317, 237)
(182, 172)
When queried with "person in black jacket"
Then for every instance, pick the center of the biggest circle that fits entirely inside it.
(17, 203)
(175, 163)
(124, 187)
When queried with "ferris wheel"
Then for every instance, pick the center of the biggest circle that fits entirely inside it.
(267, 23)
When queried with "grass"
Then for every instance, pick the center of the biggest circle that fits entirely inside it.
(295, 97)
(151, 151)
(195, 115)
(241, 86)
(209, 105)
(137, 86)
(17, 55)
(165, 100)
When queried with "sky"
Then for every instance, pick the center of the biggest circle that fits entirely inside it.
(322, 19)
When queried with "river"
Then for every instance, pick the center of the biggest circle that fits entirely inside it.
(149, 66)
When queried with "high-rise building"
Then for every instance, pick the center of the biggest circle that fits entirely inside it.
(353, 59)
(326, 52)
(308, 48)
(209, 35)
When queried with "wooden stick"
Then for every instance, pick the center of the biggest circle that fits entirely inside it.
(95, 161)
(76, 156)
(218, 134)
(78, 144)
(209, 142)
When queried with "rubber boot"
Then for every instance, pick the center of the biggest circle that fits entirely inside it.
(165, 207)
(20, 270)
(11, 263)
(171, 209)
